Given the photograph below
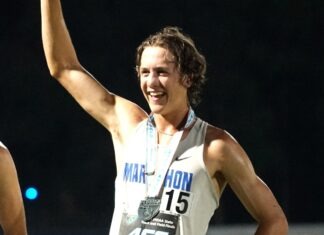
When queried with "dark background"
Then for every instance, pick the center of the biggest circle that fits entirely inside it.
(265, 71)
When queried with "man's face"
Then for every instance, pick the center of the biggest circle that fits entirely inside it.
(161, 81)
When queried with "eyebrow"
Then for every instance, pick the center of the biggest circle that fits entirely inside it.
(157, 68)
(160, 66)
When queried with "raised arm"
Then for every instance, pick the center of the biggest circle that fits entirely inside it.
(12, 212)
(115, 113)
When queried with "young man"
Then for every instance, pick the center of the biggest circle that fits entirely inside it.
(172, 167)
(12, 212)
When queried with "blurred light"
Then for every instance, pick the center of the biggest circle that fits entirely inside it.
(31, 193)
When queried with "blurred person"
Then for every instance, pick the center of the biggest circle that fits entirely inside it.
(172, 166)
(12, 212)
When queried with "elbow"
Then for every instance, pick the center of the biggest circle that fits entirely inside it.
(278, 226)
(281, 225)
(56, 70)
(54, 73)
(284, 224)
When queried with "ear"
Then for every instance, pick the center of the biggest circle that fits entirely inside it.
(186, 81)
(137, 71)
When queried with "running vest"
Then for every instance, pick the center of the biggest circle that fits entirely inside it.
(188, 196)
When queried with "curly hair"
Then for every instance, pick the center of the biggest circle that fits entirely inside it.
(190, 62)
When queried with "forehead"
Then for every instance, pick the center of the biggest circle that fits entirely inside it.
(155, 56)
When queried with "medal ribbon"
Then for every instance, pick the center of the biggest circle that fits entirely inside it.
(155, 181)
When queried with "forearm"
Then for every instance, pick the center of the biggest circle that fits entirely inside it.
(58, 47)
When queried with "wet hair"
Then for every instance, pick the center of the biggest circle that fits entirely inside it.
(189, 61)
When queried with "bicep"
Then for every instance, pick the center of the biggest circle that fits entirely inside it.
(87, 91)
(253, 193)
(114, 112)
(257, 198)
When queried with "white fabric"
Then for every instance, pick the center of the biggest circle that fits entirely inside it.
(187, 183)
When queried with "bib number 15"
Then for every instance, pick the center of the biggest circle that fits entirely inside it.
(178, 201)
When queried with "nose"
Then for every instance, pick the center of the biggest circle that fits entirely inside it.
(152, 79)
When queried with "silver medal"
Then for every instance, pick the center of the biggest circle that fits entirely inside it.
(149, 208)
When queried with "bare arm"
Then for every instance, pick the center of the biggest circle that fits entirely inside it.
(12, 212)
(118, 115)
(254, 194)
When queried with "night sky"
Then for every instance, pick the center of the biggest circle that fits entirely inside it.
(265, 86)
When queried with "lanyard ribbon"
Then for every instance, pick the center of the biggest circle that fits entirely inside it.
(155, 181)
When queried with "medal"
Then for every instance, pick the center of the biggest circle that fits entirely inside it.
(149, 208)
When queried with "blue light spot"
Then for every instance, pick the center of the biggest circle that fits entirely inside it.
(31, 193)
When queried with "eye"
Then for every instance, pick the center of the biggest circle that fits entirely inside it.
(144, 73)
(162, 73)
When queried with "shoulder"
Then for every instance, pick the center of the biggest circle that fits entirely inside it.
(3, 148)
(4, 154)
(219, 141)
(6, 162)
(130, 115)
(223, 151)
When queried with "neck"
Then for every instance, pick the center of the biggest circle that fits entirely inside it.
(165, 133)
(171, 123)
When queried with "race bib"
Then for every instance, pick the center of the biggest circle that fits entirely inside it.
(162, 224)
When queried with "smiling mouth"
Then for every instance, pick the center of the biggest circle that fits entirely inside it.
(156, 94)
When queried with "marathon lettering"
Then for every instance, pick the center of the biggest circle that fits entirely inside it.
(134, 172)
(178, 180)
(175, 179)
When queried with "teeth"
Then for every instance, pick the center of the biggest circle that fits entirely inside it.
(155, 93)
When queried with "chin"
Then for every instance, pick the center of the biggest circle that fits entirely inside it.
(156, 109)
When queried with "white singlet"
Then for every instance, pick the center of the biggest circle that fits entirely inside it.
(188, 199)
